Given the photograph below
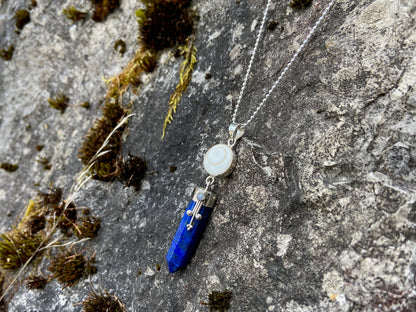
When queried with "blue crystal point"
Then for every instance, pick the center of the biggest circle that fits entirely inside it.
(172, 267)
(188, 234)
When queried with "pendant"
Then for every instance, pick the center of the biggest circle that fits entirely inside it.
(219, 161)
(190, 229)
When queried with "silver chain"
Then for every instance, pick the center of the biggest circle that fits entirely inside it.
(283, 72)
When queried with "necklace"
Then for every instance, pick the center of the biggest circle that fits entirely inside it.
(220, 160)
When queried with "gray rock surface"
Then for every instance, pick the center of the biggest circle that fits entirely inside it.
(319, 214)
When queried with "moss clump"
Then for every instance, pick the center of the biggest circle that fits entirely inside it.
(9, 167)
(53, 208)
(105, 168)
(102, 8)
(20, 243)
(73, 14)
(60, 102)
(55, 211)
(85, 105)
(132, 172)
(7, 53)
(219, 301)
(36, 282)
(22, 17)
(299, 4)
(272, 25)
(164, 24)
(143, 61)
(35, 223)
(86, 211)
(16, 248)
(45, 162)
(88, 228)
(120, 46)
(67, 218)
(39, 147)
(50, 200)
(68, 267)
(33, 4)
(102, 301)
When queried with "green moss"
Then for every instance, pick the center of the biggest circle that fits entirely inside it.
(299, 4)
(86, 105)
(39, 147)
(120, 46)
(45, 162)
(53, 208)
(132, 172)
(22, 17)
(7, 53)
(8, 167)
(36, 282)
(68, 267)
(16, 248)
(35, 223)
(185, 75)
(143, 61)
(102, 8)
(91, 269)
(219, 301)
(88, 228)
(86, 211)
(50, 200)
(105, 168)
(272, 25)
(148, 62)
(33, 4)
(67, 218)
(59, 102)
(164, 24)
(73, 14)
(102, 301)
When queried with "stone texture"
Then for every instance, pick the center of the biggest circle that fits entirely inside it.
(320, 212)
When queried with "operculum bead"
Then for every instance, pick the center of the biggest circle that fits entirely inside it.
(219, 161)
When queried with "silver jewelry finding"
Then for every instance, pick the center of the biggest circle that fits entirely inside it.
(201, 197)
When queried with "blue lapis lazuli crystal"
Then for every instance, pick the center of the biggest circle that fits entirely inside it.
(186, 241)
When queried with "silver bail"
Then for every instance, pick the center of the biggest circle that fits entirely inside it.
(236, 131)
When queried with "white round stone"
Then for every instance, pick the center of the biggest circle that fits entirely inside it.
(219, 160)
